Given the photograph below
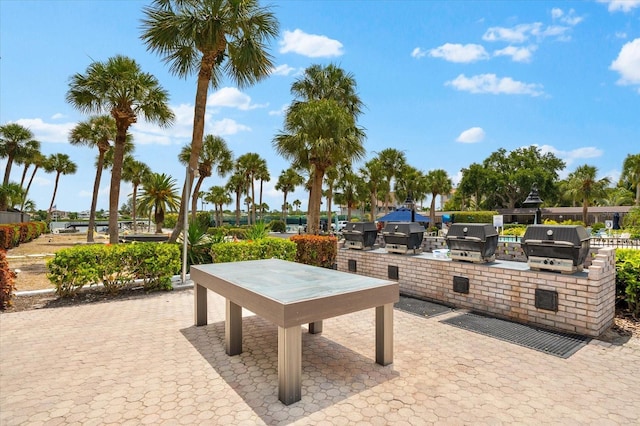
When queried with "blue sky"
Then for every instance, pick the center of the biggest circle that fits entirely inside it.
(448, 83)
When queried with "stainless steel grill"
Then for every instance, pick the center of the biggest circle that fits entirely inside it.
(472, 242)
(562, 248)
(403, 237)
(359, 235)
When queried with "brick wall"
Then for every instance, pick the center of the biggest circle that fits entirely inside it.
(585, 300)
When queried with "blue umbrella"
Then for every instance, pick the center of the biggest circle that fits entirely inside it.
(403, 214)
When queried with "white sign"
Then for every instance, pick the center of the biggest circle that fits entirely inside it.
(498, 221)
(608, 224)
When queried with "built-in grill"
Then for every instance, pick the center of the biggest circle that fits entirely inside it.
(359, 235)
(472, 242)
(561, 248)
(403, 237)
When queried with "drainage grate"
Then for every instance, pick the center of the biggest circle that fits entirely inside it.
(559, 344)
(420, 307)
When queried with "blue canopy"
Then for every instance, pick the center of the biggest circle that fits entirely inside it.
(403, 214)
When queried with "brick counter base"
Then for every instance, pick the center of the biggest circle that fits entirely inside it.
(581, 303)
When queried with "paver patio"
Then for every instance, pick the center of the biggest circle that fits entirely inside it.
(142, 361)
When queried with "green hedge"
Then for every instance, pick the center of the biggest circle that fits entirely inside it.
(628, 279)
(473, 217)
(316, 250)
(114, 266)
(265, 248)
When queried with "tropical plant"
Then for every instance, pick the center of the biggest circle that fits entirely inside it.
(320, 128)
(214, 153)
(346, 189)
(631, 174)
(257, 231)
(10, 195)
(263, 176)
(583, 184)
(38, 160)
(159, 195)
(438, 183)
(211, 38)
(218, 196)
(198, 243)
(62, 165)
(473, 185)
(392, 161)
(287, 182)
(120, 88)
(97, 132)
(136, 172)
(372, 180)
(251, 165)
(237, 185)
(30, 150)
(14, 139)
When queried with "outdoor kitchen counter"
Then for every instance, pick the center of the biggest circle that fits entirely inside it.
(290, 294)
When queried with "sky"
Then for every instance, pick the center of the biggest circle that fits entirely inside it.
(446, 82)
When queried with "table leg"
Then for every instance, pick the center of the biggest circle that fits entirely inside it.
(384, 334)
(200, 304)
(233, 329)
(289, 364)
(315, 327)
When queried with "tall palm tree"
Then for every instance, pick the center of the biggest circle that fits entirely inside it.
(582, 184)
(159, 195)
(119, 87)
(372, 175)
(14, 138)
(263, 176)
(250, 165)
(392, 161)
(438, 183)
(237, 184)
(38, 160)
(330, 178)
(631, 174)
(30, 150)
(136, 172)
(347, 187)
(96, 132)
(218, 196)
(10, 195)
(62, 165)
(212, 38)
(320, 128)
(214, 153)
(287, 182)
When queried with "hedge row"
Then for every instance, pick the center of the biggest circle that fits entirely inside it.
(14, 234)
(7, 281)
(628, 279)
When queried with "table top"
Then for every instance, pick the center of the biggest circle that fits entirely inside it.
(290, 282)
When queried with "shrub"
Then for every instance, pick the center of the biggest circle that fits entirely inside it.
(7, 281)
(278, 226)
(473, 217)
(517, 230)
(257, 231)
(265, 248)
(316, 250)
(628, 279)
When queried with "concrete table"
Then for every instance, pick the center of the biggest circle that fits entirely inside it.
(290, 294)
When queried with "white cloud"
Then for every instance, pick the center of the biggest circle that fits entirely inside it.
(568, 18)
(47, 132)
(490, 83)
(460, 53)
(280, 111)
(232, 98)
(628, 63)
(621, 5)
(418, 53)
(518, 54)
(311, 45)
(283, 69)
(227, 126)
(472, 135)
(518, 34)
(57, 116)
(572, 156)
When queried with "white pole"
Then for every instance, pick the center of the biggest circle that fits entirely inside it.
(187, 191)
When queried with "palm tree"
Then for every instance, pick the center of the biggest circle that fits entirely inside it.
(14, 138)
(218, 196)
(30, 151)
(237, 185)
(372, 175)
(119, 87)
(438, 182)
(62, 165)
(297, 204)
(347, 187)
(320, 128)
(97, 132)
(330, 179)
(136, 172)
(211, 38)
(392, 161)
(582, 184)
(215, 152)
(287, 182)
(250, 165)
(10, 195)
(159, 195)
(263, 176)
(38, 160)
(631, 174)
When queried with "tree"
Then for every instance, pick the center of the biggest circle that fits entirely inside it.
(372, 175)
(159, 195)
(10, 195)
(62, 165)
(330, 178)
(215, 152)
(13, 139)
(583, 185)
(474, 183)
(38, 160)
(392, 161)
(346, 188)
(263, 176)
(320, 128)
(297, 204)
(287, 182)
(250, 165)
(212, 38)
(119, 87)
(631, 174)
(218, 196)
(97, 132)
(136, 172)
(237, 184)
(31, 150)
(438, 182)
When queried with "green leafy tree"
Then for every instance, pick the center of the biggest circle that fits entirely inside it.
(62, 165)
(218, 196)
(631, 174)
(30, 151)
(159, 195)
(474, 183)
(97, 132)
(392, 161)
(263, 176)
(346, 189)
(287, 182)
(120, 88)
(213, 38)
(10, 195)
(14, 138)
(410, 181)
(214, 153)
(250, 165)
(320, 128)
(372, 181)
(38, 160)
(136, 172)
(583, 184)
(237, 184)
(438, 183)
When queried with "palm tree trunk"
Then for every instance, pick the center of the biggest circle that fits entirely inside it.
(116, 178)
(194, 199)
(24, 175)
(133, 208)
(638, 194)
(7, 171)
(24, 198)
(374, 202)
(261, 209)
(284, 209)
(94, 197)
(238, 195)
(53, 198)
(585, 211)
(432, 210)
(253, 202)
(315, 201)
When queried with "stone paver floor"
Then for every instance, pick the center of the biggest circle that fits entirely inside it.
(143, 362)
